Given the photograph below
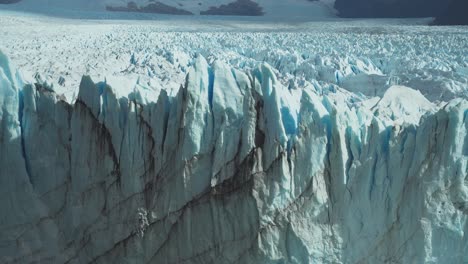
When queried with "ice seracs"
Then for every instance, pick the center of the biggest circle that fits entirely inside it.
(403, 105)
(242, 142)
(235, 167)
(364, 57)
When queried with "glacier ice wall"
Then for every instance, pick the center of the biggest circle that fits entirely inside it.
(236, 168)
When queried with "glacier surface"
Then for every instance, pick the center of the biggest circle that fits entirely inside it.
(286, 154)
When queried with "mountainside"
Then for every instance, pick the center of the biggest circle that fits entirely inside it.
(138, 142)
(455, 14)
(446, 12)
(9, 1)
(288, 9)
(390, 8)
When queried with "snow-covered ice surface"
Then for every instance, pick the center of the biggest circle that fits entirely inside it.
(219, 141)
(361, 56)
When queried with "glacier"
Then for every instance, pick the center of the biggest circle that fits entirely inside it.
(364, 57)
(234, 167)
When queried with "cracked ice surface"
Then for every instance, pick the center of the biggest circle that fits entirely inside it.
(292, 147)
(362, 57)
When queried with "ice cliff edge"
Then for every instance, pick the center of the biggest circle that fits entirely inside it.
(236, 168)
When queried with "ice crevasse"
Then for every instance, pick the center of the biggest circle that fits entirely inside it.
(236, 168)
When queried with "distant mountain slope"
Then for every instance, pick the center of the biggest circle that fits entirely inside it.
(9, 1)
(390, 8)
(287, 9)
(239, 7)
(456, 14)
(447, 12)
(153, 7)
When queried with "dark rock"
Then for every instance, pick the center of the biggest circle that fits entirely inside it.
(5, 2)
(456, 14)
(154, 7)
(390, 8)
(237, 8)
(452, 12)
(160, 8)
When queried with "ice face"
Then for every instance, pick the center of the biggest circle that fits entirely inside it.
(236, 167)
(304, 146)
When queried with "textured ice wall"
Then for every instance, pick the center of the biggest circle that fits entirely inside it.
(236, 168)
